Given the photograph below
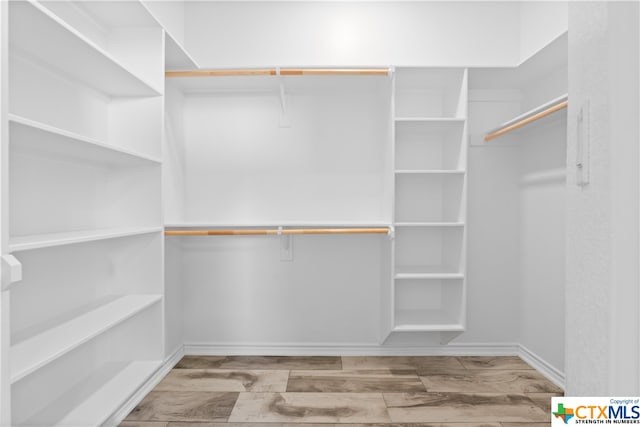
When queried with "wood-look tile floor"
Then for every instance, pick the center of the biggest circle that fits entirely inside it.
(385, 391)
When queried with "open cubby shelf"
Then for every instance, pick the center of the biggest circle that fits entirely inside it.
(429, 200)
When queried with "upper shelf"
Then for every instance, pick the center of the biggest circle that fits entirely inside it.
(40, 241)
(38, 33)
(42, 138)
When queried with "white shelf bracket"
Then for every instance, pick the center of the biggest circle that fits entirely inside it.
(392, 232)
(392, 70)
(285, 121)
(11, 271)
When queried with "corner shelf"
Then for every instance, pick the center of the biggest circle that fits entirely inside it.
(34, 353)
(36, 136)
(101, 393)
(38, 33)
(38, 241)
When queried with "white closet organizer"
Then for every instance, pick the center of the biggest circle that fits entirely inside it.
(85, 217)
(418, 163)
(427, 291)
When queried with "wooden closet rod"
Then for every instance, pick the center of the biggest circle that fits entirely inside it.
(531, 116)
(223, 232)
(283, 72)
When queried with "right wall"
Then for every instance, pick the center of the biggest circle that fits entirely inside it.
(603, 329)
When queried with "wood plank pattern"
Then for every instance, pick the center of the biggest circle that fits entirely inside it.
(496, 362)
(224, 380)
(184, 406)
(462, 407)
(421, 363)
(259, 362)
(358, 391)
(382, 380)
(310, 407)
(488, 380)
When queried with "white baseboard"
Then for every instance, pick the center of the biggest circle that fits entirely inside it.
(145, 388)
(550, 372)
(336, 349)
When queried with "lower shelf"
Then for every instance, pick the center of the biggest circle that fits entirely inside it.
(429, 305)
(425, 321)
(99, 396)
(427, 272)
(29, 355)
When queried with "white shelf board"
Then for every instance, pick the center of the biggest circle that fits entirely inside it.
(426, 272)
(121, 14)
(98, 396)
(425, 321)
(109, 396)
(40, 137)
(429, 224)
(438, 121)
(38, 241)
(430, 171)
(453, 327)
(38, 33)
(34, 353)
(276, 224)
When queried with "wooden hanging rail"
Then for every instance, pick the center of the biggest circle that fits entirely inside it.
(249, 232)
(530, 116)
(282, 72)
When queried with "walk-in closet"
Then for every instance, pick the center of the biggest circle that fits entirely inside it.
(391, 203)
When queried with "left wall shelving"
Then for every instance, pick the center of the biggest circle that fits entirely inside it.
(85, 120)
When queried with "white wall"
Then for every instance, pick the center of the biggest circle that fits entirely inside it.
(238, 292)
(493, 251)
(301, 33)
(327, 167)
(602, 218)
(5, 383)
(540, 23)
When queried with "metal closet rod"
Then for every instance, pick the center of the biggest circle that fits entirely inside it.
(281, 72)
(270, 231)
(530, 116)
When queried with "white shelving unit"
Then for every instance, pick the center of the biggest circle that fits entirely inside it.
(84, 206)
(427, 293)
(39, 241)
(40, 350)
